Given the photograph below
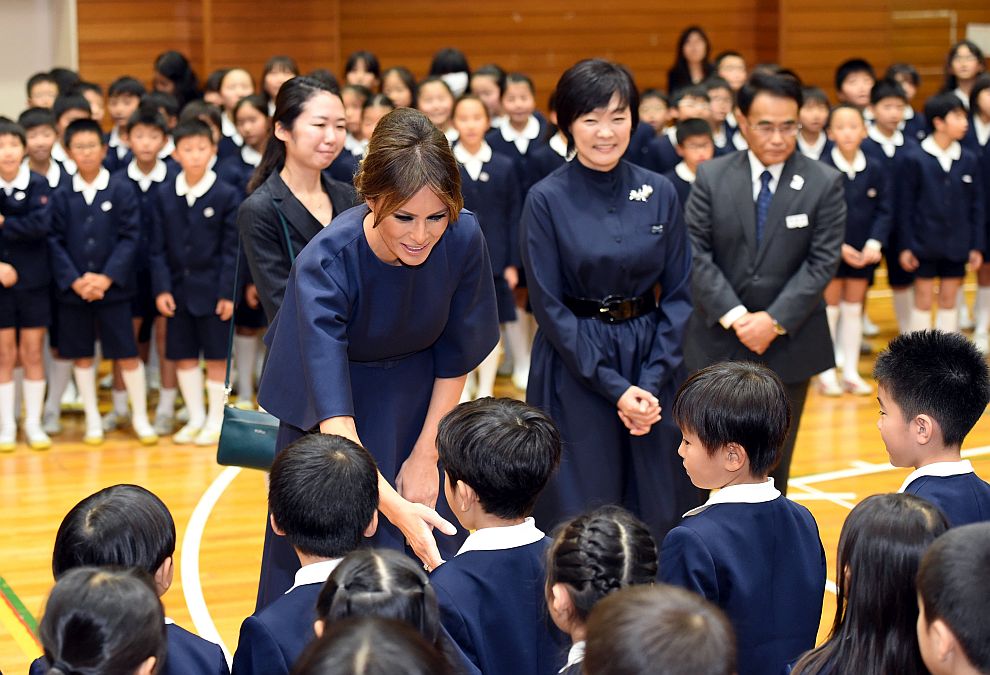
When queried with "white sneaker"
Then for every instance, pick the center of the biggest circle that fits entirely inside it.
(965, 320)
(112, 421)
(182, 415)
(164, 424)
(51, 423)
(106, 382)
(186, 435)
(145, 433)
(36, 438)
(856, 385)
(8, 439)
(93, 437)
(828, 383)
(981, 341)
(870, 329)
(207, 437)
(520, 380)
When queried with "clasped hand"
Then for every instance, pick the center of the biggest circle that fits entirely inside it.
(755, 330)
(639, 410)
(92, 286)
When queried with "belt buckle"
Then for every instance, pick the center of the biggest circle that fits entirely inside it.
(612, 310)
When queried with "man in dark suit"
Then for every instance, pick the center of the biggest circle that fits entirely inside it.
(766, 229)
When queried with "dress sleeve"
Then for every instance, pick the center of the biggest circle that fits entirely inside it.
(541, 258)
(307, 376)
(471, 332)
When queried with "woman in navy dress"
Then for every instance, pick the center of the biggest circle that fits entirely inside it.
(607, 254)
(384, 314)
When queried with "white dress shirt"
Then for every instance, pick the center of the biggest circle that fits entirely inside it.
(939, 470)
(473, 163)
(314, 573)
(522, 138)
(89, 190)
(744, 493)
(945, 156)
(194, 192)
(501, 538)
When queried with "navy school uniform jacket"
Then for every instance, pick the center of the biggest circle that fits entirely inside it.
(641, 146)
(764, 565)
(118, 155)
(963, 497)
(941, 215)
(869, 200)
(916, 126)
(27, 224)
(496, 201)
(236, 173)
(193, 249)
(682, 186)
(272, 640)
(526, 170)
(186, 654)
(546, 159)
(664, 154)
(101, 237)
(147, 192)
(343, 168)
(971, 140)
(492, 606)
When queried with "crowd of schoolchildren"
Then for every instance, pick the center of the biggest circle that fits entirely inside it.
(128, 240)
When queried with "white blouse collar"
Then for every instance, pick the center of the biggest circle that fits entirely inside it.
(939, 470)
(745, 493)
(684, 172)
(194, 192)
(501, 538)
(314, 573)
(250, 155)
(144, 180)
(858, 164)
(89, 190)
(20, 182)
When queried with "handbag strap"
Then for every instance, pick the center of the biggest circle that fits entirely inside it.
(233, 294)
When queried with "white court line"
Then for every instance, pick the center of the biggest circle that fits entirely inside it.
(820, 496)
(815, 493)
(192, 589)
(831, 587)
(866, 469)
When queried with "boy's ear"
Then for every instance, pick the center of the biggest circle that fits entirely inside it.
(164, 575)
(372, 526)
(275, 528)
(318, 627)
(678, 150)
(465, 496)
(943, 640)
(924, 429)
(735, 457)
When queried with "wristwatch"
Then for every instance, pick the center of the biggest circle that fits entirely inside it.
(777, 328)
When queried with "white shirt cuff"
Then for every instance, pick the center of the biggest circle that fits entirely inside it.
(732, 316)
(872, 245)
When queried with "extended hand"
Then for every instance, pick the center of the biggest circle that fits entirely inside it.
(416, 522)
(755, 331)
(418, 480)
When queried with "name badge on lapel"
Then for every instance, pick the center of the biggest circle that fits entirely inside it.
(208, 212)
(483, 177)
(871, 193)
(797, 182)
(19, 196)
(797, 221)
(106, 206)
(967, 178)
(657, 229)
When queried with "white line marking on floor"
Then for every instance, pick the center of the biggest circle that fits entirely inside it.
(866, 469)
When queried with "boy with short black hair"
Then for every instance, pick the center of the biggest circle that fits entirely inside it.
(941, 214)
(854, 78)
(748, 549)
(498, 455)
(812, 141)
(95, 232)
(953, 596)
(68, 108)
(323, 497)
(694, 146)
(687, 103)
(41, 135)
(123, 99)
(193, 247)
(168, 106)
(42, 89)
(915, 126)
(932, 388)
(721, 102)
(93, 93)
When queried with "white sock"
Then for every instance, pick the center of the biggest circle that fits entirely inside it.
(947, 320)
(86, 384)
(487, 371)
(18, 389)
(902, 309)
(214, 415)
(921, 319)
(245, 355)
(136, 390)
(166, 401)
(961, 302)
(832, 316)
(850, 337)
(7, 423)
(59, 374)
(191, 385)
(34, 401)
(470, 384)
(119, 398)
(982, 309)
(517, 334)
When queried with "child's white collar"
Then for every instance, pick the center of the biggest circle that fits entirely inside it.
(745, 493)
(89, 190)
(945, 157)
(812, 150)
(858, 163)
(894, 141)
(684, 172)
(462, 155)
(314, 573)
(559, 145)
(229, 129)
(574, 656)
(144, 180)
(501, 538)
(530, 132)
(194, 192)
(20, 182)
(250, 156)
(939, 470)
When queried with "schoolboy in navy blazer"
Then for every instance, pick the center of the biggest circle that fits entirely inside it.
(911, 377)
(748, 549)
(27, 221)
(491, 594)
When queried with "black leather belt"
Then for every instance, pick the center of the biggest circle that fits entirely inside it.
(613, 308)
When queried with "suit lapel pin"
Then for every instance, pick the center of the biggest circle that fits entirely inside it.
(483, 177)
(208, 212)
(797, 182)
(641, 195)
(19, 196)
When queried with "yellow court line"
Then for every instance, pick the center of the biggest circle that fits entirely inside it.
(23, 637)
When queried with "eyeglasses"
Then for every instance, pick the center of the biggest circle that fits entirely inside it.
(767, 130)
(964, 58)
(89, 147)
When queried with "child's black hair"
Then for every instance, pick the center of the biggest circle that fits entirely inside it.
(175, 67)
(166, 102)
(36, 117)
(119, 526)
(327, 79)
(940, 105)
(814, 95)
(844, 106)
(950, 79)
(378, 101)
(938, 374)
(887, 88)
(953, 586)
(503, 449)
(431, 79)
(358, 89)
(980, 85)
(407, 78)
(37, 79)
(493, 71)
(715, 82)
(82, 87)
(65, 103)
(600, 552)
(214, 80)
(655, 93)
(905, 69)
(9, 127)
(65, 78)
(724, 55)
(691, 128)
(323, 494)
(636, 629)
(382, 583)
(147, 116)
(736, 402)
(126, 86)
(469, 97)
(192, 128)
(449, 60)
(690, 91)
(365, 58)
(102, 621)
(518, 78)
(198, 109)
(84, 125)
(257, 101)
(850, 67)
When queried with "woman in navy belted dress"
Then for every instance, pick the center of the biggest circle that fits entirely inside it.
(384, 314)
(608, 260)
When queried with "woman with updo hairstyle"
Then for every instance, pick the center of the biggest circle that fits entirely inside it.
(103, 622)
(591, 556)
(384, 315)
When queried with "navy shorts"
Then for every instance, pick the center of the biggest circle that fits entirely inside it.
(246, 317)
(25, 309)
(188, 336)
(848, 272)
(943, 269)
(81, 325)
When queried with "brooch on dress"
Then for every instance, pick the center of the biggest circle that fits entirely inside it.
(641, 195)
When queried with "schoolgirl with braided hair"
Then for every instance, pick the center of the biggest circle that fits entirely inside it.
(593, 555)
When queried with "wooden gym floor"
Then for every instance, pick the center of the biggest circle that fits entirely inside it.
(219, 512)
